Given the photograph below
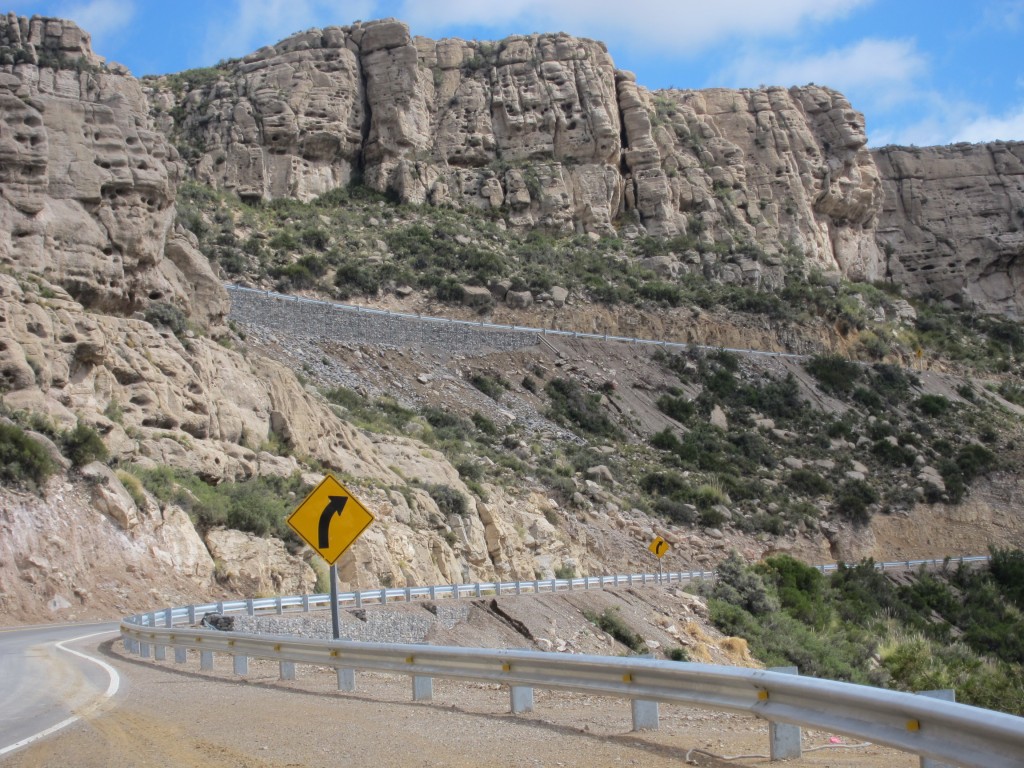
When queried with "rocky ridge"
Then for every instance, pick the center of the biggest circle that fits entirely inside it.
(542, 130)
(953, 221)
(89, 244)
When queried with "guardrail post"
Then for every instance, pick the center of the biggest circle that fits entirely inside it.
(359, 599)
(422, 688)
(287, 670)
(784, 740)
(206, 661)
(279, 605)
(346, 680)
(305, 603)
(408, 594)
(522, 698)
(645, 715)
(240, 664)
(946, 694)
(519, 587)
(159, 652)
(144, 649)
(191, 615)
(169, 617)
(478, 589)
(250, 608)
(383, 595)
(433, 592)
(180, 654)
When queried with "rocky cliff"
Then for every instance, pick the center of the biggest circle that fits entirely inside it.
(539, 130)
(953, 222)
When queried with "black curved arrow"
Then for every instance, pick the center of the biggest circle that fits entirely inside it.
(335, 506)
(659, 546)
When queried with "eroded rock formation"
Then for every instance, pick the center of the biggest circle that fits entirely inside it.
(541, 129)
(88, 184)
(953, 222)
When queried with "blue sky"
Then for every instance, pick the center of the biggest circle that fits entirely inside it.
(922, 72)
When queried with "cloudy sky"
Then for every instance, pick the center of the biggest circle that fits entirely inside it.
(922, 71)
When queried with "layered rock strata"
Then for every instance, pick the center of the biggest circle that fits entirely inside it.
(953, 222)
(88, 185)
(539, 130)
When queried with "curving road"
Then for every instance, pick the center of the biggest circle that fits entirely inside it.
(47, 683)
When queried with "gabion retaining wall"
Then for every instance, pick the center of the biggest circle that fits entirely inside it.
(299, 317)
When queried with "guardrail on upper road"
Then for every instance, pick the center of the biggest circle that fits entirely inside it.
(191, 613)
(941, 730)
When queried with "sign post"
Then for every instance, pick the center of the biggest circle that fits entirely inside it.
(330, 519)
(659, 548)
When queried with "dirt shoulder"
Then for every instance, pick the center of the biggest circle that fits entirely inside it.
(173, 715)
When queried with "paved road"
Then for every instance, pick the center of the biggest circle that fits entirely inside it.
(47, 682)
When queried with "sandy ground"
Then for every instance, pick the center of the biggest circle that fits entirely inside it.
(172, 715)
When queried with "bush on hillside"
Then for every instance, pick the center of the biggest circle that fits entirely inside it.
(24, 462)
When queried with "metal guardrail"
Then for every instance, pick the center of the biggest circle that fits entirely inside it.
(941, 730)
(356, 308)
(304, 603)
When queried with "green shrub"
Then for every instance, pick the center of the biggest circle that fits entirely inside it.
(611, 622)
(23, 461)
(449, 500)
(485, 425)
(259, 505)
(83, 444)
(678, 408)
(932, 405)
(565, 571)
(835, 374)
(570, 404)
(808, 482)
(167, 315)
(853, 499)
(492, 386)
(677, 653)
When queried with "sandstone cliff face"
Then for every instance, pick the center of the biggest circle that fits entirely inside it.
(541, 130)
(953, 222)
(88, 183)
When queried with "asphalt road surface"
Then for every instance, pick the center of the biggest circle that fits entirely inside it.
(47, 682)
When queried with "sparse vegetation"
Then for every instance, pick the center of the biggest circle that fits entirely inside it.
(610, 621)
(24, 462)
(958, 628)
(259, 505)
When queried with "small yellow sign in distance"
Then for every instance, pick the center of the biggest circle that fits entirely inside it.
(330, 519)
(659, 547)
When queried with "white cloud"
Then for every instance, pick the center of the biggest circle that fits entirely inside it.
(678, 26)
(1006, 15)
(869, 63)
(98, 17)
(245, 26)
(993, 128)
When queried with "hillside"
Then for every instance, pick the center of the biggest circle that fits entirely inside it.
(152, 432)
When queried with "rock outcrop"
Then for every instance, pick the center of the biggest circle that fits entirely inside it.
(541, 130)
(88, 183)
(953, 222)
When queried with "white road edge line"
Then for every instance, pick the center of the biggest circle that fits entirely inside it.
(115, 683)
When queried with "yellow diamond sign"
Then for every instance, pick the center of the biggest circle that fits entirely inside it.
(659, 547)
(330, 519)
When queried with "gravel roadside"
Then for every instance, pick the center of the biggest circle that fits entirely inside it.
(174, 715)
